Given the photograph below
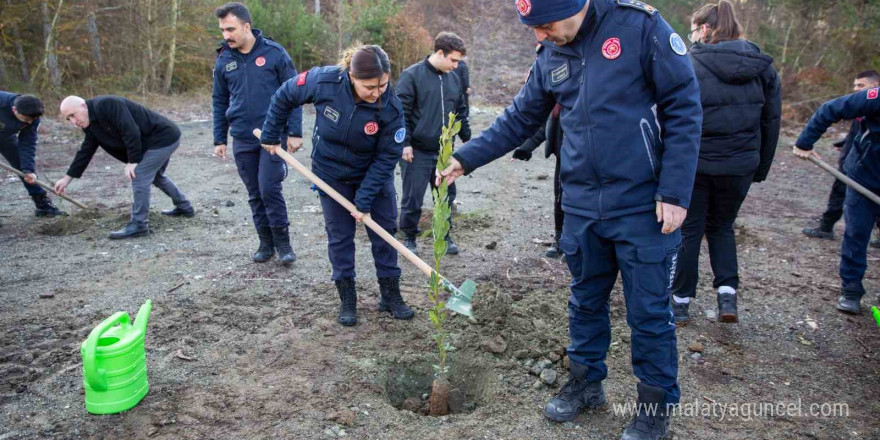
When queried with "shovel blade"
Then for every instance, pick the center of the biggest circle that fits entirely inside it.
(460, 297)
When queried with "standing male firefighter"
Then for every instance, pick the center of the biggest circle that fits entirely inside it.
(632, 121)
(862, 164)
(249, 69)
(429, 91)
(19, 119)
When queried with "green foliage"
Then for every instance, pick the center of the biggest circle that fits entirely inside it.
(303, 34)
(439, 229)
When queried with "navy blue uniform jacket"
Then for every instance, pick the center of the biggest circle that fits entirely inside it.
(354, 143)
(630, 112)
(862, 163)
(27, 133)
(243, 86)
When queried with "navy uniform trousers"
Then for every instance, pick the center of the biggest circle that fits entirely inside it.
(262, 174)
(860, 215)
(596, 250)
(341, 227)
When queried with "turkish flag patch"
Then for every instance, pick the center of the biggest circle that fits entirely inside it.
(371, 128)
(301, 79)
(611, 48)
(873, 93)
(524, 7)
(260, 61)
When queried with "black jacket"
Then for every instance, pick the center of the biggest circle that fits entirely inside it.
(552, 133)
(740, 94)
(428, 96)
(124, 129)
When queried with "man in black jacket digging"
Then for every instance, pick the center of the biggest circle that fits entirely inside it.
(429, 91)
(133, 134)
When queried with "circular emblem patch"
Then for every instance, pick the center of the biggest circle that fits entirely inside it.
(611, 48)
(400, 135)
(677, 44)
(371, 128)
(524, 7)
(260, 62)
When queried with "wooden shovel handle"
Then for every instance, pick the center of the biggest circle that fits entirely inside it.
(299, 167)
(843, 178)
(45, 186)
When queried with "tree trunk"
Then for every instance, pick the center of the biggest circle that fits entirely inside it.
(3, 73)
(94, 40)
(151, 64)
(318, 8)
(50, 59)
(19, 52)
(172, 49)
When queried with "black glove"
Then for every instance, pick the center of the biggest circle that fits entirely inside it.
(522, 155)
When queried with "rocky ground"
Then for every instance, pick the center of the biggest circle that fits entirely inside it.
(238, 350)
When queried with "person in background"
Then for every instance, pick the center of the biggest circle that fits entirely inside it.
(429, 91)
(741, 99)
(19, 119)
(135, 135)
(248, 70)
(552, 135)
(834, 212)
(863, 166)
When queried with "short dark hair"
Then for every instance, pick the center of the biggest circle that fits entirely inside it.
(28, 105)
(870, 75)
(235, 8)
(448, 43)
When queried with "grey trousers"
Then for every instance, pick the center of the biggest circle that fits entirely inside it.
(151, 171)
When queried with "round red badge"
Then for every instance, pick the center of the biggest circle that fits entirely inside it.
(260, 62)
(524, 7)
(371, 128)
(611, 48)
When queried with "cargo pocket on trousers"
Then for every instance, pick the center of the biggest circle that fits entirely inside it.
(570, 247)
(653, 272)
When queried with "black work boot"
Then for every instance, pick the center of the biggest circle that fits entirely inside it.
(849, 304)
(130, 230)
(821, 231)
(390, 299)
(348, 298)
(267, 245)
(43, 207)
(651, 422)
(554, 251)
(575, 395)
(680, 312)
(177, 212)
(727, 308)
(281, 238)
(410, 243)
(451, 247)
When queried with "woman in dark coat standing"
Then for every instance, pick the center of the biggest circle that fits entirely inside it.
(740, 94)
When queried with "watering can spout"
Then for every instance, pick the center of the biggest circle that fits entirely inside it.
(143, 315)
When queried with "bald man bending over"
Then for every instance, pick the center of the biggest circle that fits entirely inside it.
(137, 136)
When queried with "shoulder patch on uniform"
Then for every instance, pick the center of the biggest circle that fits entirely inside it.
(231, 66)
(635, 4)
(874, 93)
(677, 44)
(400, 135)
(301, 78)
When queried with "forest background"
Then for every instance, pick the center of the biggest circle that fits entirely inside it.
(167, 47)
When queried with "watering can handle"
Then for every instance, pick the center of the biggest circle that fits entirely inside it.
(94, 376)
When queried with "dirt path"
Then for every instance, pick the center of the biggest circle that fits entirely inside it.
(269, 361)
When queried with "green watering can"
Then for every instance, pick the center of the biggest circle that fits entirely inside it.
(115, 364)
